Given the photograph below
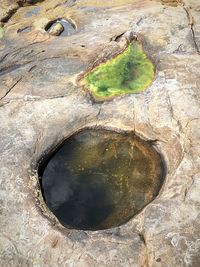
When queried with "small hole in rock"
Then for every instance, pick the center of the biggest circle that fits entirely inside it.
(25, 29)
(60, 27)
(98, 179)
(158, 260)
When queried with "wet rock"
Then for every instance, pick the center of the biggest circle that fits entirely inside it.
(56, 29)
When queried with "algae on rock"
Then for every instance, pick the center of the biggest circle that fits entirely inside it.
(129, 72)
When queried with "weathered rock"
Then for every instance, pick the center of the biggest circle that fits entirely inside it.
(9, 7)
(42, 103)
(1, 32)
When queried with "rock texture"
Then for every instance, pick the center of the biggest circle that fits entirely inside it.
(42, 103)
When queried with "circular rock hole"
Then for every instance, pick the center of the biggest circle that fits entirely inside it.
(98, 179)
(60, 27)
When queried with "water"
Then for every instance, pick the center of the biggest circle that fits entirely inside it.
(100, 179)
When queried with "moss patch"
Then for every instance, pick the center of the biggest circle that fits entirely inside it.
(129, 72)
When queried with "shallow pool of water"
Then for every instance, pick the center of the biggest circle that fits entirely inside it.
(100, 179)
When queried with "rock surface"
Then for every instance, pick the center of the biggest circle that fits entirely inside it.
(42, 103)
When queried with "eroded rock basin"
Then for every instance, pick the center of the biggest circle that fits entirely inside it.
(100, 179)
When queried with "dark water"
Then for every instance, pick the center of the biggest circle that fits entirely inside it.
(99, 179)
(69, 28)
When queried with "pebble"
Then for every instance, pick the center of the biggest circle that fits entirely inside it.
(56, 29)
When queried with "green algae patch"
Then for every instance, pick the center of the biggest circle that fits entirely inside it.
(129, 72)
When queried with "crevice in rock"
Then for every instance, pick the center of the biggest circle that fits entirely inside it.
(189, 185)
(14, 67)
(4, 57)
(98, 116)
(14, 52)
(172, 113)
(4, 104)
(9, 14)
(194, 40)
(24, 29)
(10, 89)
(143, 239)
(191, 25)
(22, 3)
(29, 98)
(32, 68)
(116, 38)
(187, 189)
(38, 142)
(10, 68)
